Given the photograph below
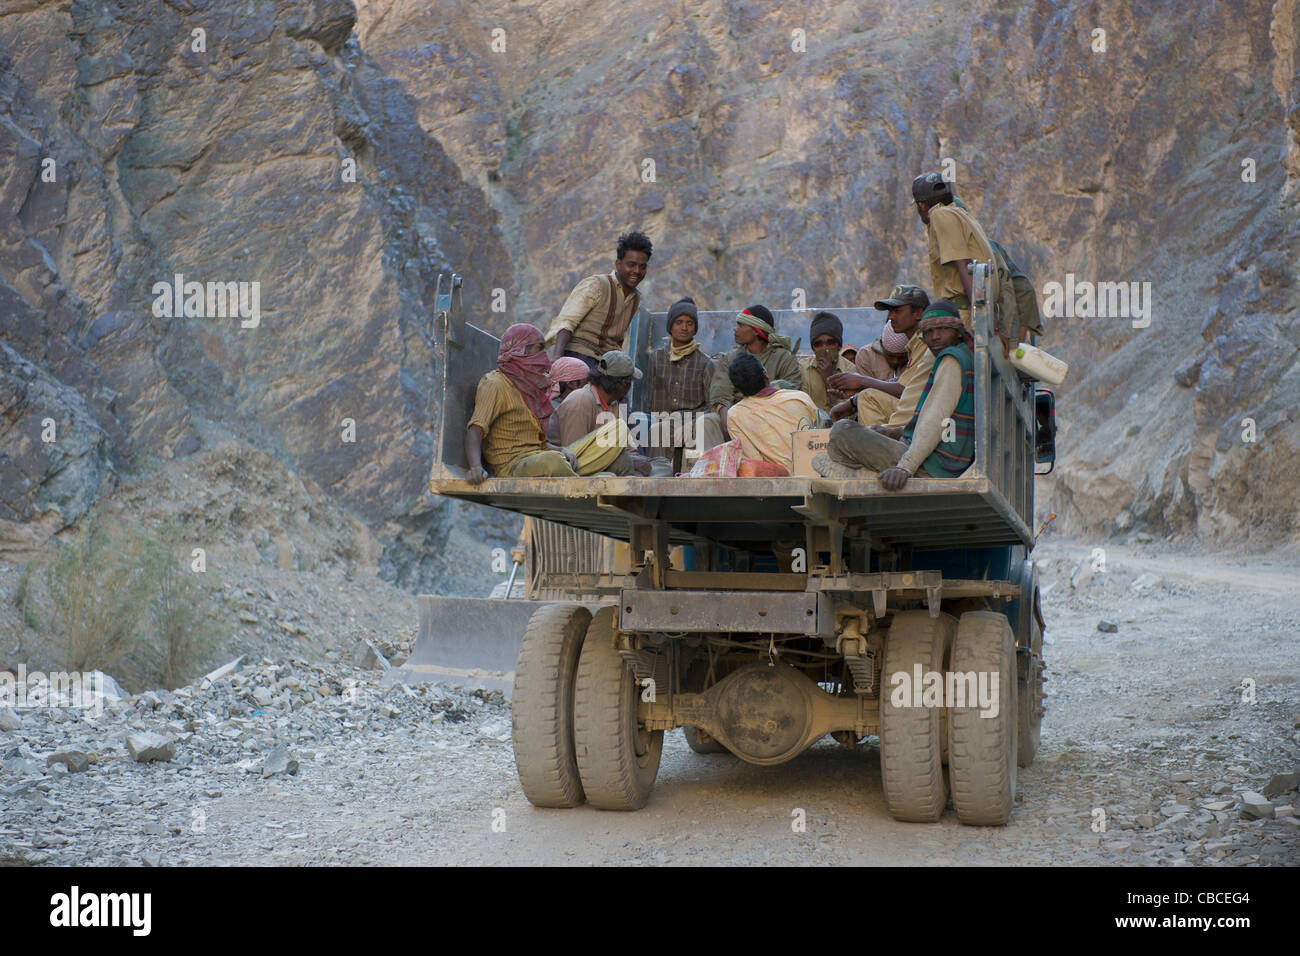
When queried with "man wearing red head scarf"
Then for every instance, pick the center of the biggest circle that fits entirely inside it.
(512, 408)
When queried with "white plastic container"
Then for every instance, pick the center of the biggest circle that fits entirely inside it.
(1038, 364)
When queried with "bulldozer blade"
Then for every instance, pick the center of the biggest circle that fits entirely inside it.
(470, 642)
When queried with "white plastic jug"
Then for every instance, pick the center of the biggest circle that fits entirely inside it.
(1038, 364)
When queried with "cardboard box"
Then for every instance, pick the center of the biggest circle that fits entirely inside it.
(807, 443)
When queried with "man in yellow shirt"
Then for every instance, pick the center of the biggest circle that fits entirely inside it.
(598, 311)
(507, 430)
(767, 416)
(954, 239)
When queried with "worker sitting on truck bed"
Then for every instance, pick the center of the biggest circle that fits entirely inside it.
(826, 333)
(882, 360)
(892, 403)
(940, 438)
(507, 429)
(680, 373)
(580, 414)
(567, 376)
(765, 418)
(755, 335)
(597, 313)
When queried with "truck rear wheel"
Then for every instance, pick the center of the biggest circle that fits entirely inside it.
(982, 749)
(701, 742)
(617, 759)
(542, 724)
(911, 749)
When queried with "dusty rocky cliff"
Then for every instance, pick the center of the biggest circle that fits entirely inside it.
(776, 169)
(339, 156)
(258, 147)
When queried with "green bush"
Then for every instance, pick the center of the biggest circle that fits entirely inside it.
(99, 590)
(131, 600)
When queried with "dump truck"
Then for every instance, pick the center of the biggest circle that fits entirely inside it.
(761, 614)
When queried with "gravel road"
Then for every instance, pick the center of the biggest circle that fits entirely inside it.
(1145, 727)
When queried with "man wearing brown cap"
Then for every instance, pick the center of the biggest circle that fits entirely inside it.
(939, 439)
(892, 402)
(755, 333)
(595, 406)
(820, 370)
(596, 316)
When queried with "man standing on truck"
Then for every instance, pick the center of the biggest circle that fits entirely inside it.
(598, 311)
(755, 335)
(891, 403)
(939, 440)
(680, 373)
(765, 418)
(954, 239)
(826, 333)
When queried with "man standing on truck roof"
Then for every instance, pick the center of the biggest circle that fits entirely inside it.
(680, 373)
(954, 239)
(593, 405)
(939, 440)
(598, 311)
(755, 335)
(826, 333)
(765, 418)
(891, 403)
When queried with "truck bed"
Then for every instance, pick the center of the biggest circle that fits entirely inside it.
(990, 505)
(927, 513)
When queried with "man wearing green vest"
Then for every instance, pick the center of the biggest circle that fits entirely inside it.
(939, 441)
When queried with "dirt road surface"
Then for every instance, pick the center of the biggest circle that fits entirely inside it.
(1145, 726)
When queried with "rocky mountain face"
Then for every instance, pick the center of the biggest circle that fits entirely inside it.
(237, 216)
(223, 213)
(783, 139)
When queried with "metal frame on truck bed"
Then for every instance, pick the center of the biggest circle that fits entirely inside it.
(798, 607)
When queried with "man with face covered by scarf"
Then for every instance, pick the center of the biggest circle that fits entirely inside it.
(826, 334)
(567, 376)
(507, 430)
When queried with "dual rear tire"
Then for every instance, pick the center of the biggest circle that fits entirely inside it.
(981, 742)
(576, 733)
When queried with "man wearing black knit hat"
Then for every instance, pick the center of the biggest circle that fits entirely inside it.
(826, 334)
(680, 373)
(755, 334)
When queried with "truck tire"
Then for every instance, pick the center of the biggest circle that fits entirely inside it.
(701, 742)
(911, 750)
(542, 724)
(1029, 692)
(617, 761)
(981, 749)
